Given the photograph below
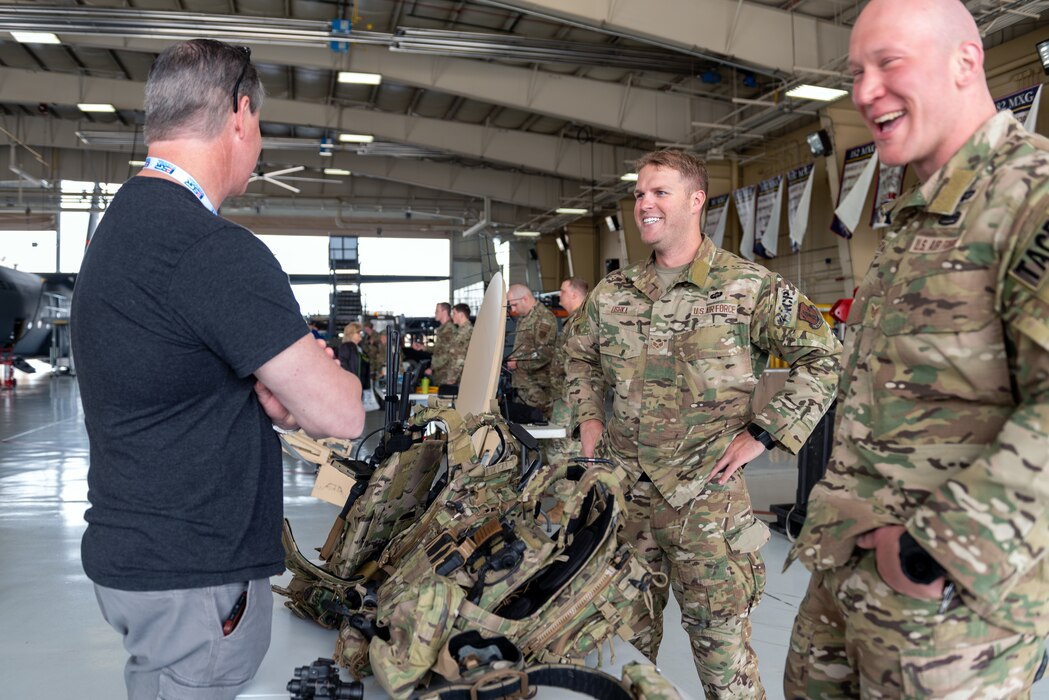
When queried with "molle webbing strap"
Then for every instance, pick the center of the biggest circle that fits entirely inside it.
(511, 683)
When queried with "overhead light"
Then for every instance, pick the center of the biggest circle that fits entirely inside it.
(1043, 53)
(359, 78)
(528, 234)
(560, 241)
(36, 38)
(815, 92)
(336, 171)
(819, 143)
(629, 177)
(356, 138)
(569, 210)
(136, 163)
(95, 107)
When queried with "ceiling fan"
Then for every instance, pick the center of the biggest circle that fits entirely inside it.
(282, 174)
(272, 176)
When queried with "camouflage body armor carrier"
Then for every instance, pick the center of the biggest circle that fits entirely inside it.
(482, 558)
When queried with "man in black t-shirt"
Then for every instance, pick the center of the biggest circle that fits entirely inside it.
(190, 352)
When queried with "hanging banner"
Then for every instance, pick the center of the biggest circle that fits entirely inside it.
(1023, 104)
(799, 201)
(890, 185)
(766, 221)
(861, 162)
(717, 217)
(745, 200)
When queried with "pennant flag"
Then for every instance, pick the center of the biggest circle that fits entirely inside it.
(745, 200)
(1023, 104)
(766, 226)
(717, 217)
(861, 162)
(799, 201)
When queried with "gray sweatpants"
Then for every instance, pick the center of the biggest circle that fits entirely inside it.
(176, 643)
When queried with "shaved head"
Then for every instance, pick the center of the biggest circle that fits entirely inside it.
(918, 80)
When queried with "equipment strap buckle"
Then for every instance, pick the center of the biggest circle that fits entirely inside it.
(502, 681)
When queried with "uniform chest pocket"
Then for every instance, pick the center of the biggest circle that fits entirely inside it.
(622, 339)
(951, 301)
(710, 342)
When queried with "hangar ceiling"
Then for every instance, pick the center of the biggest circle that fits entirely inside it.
(531, 105)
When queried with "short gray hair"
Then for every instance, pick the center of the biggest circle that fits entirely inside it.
(189, 91)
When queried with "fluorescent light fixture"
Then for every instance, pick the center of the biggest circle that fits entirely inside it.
(560, 241)
(356, 138)
(95, 107)
(569, 210)
(1043, 54)
(359, 78)
(629, 177)
(815, 92)
(336, 171)
(35, 38)
(136, 163)
(528, 234)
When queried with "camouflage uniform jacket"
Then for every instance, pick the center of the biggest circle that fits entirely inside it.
(370, 347)
(534, 350)
(943, 417)
(460, 344)
(557, 367)
(684, 361)
(443, 350)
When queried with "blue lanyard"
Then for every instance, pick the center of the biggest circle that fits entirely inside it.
(183, 178)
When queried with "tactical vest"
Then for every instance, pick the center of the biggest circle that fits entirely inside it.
(481, 556)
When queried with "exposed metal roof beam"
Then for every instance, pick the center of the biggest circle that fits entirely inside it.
(754, 35)
(531, 191)
(647, 113)
(549, 154)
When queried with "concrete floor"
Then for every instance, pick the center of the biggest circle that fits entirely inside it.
(56, 645)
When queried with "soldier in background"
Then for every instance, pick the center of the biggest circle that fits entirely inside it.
(533, 350)
(440, 369)
(682, 339)
(573, 294)
(460, 342)
(927, 537)
(369, 341)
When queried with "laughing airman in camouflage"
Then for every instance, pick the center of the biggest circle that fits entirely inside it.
(928, 535)
(533, 349)
(682, 339)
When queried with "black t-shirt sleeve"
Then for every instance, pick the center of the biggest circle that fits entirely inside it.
(232, 294)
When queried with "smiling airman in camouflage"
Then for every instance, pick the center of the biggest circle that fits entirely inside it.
(682, 339)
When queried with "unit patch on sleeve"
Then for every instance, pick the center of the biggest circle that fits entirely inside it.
(1034, 261)
(786, 306)
(810, 315)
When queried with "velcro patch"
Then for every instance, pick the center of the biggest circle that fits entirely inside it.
(932, 244)
(619, 310)
(713, 309)
(810, 315)
(786, 306)
(1035, 260)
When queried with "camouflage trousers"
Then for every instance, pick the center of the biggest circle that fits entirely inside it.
(709, 551)
(854, 637)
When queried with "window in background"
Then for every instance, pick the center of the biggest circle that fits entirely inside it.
(28, 251)
(472, 295)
